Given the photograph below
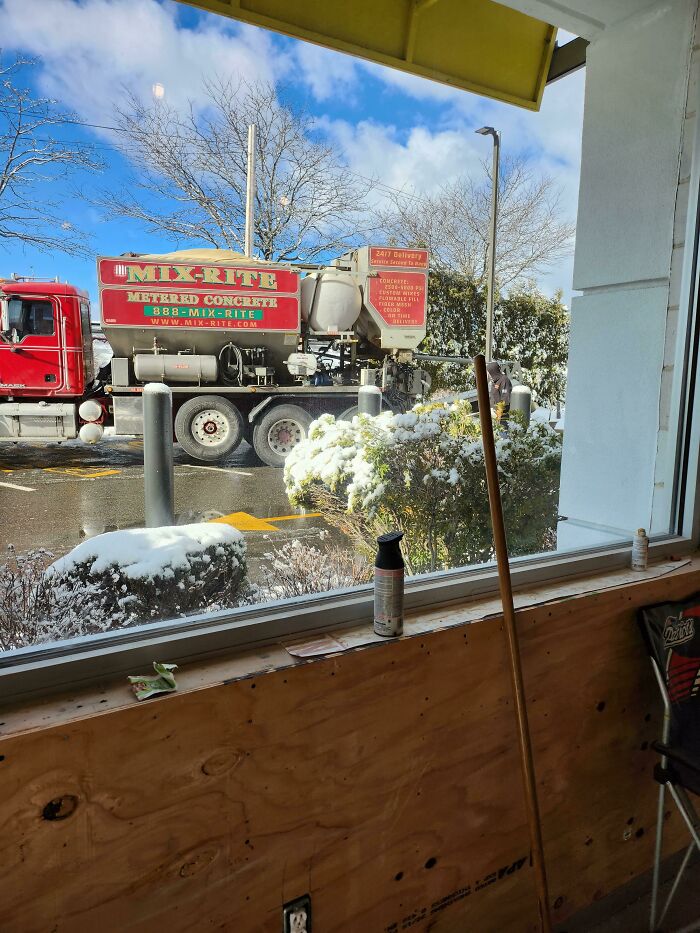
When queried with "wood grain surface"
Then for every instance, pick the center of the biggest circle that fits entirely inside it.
(383, 781)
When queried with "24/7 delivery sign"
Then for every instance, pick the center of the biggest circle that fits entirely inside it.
(139, 293)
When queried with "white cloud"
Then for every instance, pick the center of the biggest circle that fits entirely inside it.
(326, 73)
(92, 50)
(425, 157)
(418, 161)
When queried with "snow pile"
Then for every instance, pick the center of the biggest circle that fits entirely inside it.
(140, 575)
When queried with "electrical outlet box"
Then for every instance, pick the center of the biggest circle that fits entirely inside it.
(296, 915)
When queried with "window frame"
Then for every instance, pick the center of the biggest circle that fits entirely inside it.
(37, 670)
(41, 669)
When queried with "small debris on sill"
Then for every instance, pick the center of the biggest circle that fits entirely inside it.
(146, 685)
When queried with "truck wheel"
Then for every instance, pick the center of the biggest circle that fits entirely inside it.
(278, 431)
(208, 427)
(349, 413)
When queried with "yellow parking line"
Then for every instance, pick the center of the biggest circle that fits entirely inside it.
(244, 522)
(82, 472)
(286, 518)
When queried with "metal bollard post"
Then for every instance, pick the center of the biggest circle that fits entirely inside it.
(520, 400)
(158, 474)
(369, 400)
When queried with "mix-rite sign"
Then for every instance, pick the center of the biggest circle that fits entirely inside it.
(139, 293)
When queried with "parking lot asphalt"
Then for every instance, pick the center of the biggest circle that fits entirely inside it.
(56, 495)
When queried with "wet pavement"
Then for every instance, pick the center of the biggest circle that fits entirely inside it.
(56, 495)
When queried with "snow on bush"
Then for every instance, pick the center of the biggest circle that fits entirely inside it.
(423, 473)
(298, 569)
(25, 596)
(129, 577)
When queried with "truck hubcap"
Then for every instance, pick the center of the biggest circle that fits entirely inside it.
(210, 428)
(283, 435)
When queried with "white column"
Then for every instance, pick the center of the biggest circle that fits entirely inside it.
(625, 320)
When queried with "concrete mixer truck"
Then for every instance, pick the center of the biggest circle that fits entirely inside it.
(251, 350)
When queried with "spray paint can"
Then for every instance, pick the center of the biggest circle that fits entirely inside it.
(640, 550)
(388, 585)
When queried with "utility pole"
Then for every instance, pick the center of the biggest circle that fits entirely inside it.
(250, 194)
(491, 265)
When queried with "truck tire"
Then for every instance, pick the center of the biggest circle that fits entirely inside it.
(279, 430)
(208, 427)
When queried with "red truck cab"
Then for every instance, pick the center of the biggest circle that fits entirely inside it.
(46, 362)
(45, 340)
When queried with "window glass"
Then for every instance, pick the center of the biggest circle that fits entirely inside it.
(31, 318)
(88, 353)
(371, 285)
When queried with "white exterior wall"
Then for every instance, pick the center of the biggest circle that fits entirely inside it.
(630, 265)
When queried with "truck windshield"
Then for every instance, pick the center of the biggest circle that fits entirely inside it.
(30, 317)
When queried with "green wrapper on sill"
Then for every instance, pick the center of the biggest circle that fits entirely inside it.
(146, 685)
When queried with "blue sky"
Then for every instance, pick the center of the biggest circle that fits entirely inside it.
(403, 131)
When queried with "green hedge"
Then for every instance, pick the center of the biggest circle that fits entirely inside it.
(423, 473)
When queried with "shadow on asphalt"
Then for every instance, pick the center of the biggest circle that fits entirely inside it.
(25, 455)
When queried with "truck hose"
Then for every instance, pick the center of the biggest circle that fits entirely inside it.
(226, 366)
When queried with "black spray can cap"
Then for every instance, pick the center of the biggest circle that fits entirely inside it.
(389, 555)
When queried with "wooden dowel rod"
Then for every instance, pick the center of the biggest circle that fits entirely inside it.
(525, 745)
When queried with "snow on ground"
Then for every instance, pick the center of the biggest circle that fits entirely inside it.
(144, 553)
(549, 416)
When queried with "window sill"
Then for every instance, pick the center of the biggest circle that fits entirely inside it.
(30, 711)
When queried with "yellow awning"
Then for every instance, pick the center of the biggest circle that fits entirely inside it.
(477, 45)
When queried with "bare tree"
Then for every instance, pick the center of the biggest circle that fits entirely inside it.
(34, 158)
(191, 175)
(453, 223)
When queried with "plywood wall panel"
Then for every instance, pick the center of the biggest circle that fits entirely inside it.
(384, 781)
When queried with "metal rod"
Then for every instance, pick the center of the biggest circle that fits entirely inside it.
(491, 279)
(158, 471)
(250, 193)
(499, 536)
(674, 887)
(658, 848)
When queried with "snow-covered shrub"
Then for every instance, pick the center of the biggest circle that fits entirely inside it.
(139, 575)
(296, 569)
(423, 473)
(26, 597)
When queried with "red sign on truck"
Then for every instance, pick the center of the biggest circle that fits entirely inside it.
(135, 292)
(403, 258)
(399, 298)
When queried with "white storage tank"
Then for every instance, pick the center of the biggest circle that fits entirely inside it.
(331, 301)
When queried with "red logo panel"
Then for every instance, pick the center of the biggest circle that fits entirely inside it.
(402, 258)
(133, 272)
(399, 297)
(141, 308)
